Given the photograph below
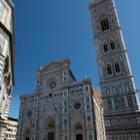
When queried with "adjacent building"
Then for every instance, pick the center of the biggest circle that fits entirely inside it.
(61, 108)
(11, 129)
(7, 60)
(122, 111)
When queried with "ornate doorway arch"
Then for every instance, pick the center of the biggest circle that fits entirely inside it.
(27, 134)
(79, 131)
(51, 128)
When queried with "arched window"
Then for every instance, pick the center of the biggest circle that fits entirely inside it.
(89, 121)
(116, 103)
(109, 104)
(105, 48)
(117, 67)
(50, 95)
(112, 44)
(109, 70)
(104, 24)
(130, 102)
(65, 110)
(86, 89)
(122, 103)
(65, 73)
(87, 99)
(88, 107)
(65, 122)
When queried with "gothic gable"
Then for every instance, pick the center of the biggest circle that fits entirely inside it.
(51, 66)
(55, 65)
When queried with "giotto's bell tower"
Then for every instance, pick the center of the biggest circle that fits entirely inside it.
(122, 116)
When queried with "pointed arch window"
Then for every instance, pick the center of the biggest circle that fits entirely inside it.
(65, 123)
(87, 99)
(105, 48)
(116, 103)
(104, 24)
(65, 110)
(130, 102)
(112, 44)
(88, 107)
(89, 121)
(109, 104)
(86, 89)
(50, 95)
(122, 103)
(117, 67)
(109, 69)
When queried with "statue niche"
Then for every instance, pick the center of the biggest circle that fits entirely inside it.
(50, 123)
(79, 126)
(89, 121)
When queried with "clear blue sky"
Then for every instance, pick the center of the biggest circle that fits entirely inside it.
(55, 29)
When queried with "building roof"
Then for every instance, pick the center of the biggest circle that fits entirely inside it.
(98, 95)
(12, 119)
(97, 92)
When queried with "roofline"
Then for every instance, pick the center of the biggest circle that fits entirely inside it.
(95, 87)
(72, 74)
(13, 119)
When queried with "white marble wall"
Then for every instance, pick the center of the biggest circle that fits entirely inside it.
(6, 59)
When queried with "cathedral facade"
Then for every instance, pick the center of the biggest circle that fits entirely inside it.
(61, 108)
(121, 107)
(7, 60)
